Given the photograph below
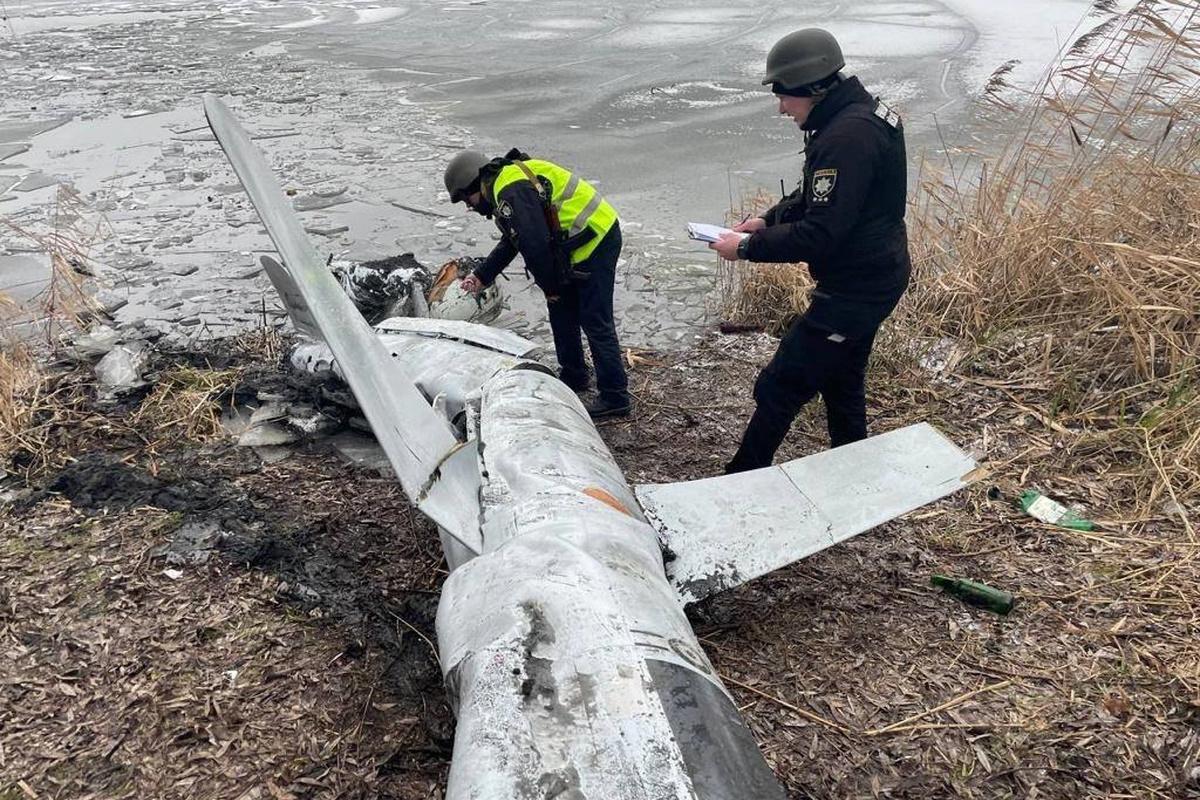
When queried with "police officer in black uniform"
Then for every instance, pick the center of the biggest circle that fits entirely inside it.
(846, 221)
(570, 240)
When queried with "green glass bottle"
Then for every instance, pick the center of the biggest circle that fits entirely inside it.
(1038, 506)
(975, 594)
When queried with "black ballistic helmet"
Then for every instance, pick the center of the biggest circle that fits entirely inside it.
(462, 174)
(802, 59)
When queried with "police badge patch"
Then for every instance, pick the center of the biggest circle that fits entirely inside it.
(504, 210)
(823, 182)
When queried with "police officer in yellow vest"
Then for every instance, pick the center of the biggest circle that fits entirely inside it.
(570, 240)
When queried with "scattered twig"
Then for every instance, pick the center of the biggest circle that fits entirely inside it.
(962, 698)
(808, 715)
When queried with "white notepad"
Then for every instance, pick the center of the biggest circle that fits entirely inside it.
(703, 232)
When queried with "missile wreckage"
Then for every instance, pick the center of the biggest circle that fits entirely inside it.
(401, 286)
(568, 660)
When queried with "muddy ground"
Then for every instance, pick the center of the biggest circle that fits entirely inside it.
(186, 619)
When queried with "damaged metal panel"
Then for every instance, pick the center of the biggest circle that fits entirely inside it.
(460, 470)
(384, 392)
(293, 299)
(718, 748)
(571, 666)
(448, 372)
(537, 435)
(496, 339)
(727, 530)
(548, 681)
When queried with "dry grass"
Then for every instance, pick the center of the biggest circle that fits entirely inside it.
(45, 417)
(19, 375)
(185, 403)
(49, 416)
(761, 295)
(128, 677)
(765, 295)
(266, 344)
(1068, 269)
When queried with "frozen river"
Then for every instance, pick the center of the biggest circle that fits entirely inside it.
(359, 104)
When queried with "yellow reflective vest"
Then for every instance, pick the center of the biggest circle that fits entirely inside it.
(577, 202)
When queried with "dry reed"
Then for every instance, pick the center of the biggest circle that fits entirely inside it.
(39, 410)
(760, 295)
(70, 234)
(19, 378)
(1070, 265)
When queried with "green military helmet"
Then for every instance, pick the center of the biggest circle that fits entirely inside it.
(462, 172)
(803, 57)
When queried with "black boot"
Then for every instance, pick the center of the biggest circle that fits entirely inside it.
(609, 407)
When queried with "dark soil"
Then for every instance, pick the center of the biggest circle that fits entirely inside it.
(183, 619)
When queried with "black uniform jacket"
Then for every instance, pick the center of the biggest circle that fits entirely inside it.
(846, 219)
(521, 217)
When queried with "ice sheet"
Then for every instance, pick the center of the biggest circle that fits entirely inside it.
(374, 16)
(1032, 32)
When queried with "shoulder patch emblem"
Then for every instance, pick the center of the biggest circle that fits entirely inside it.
(887, 114)
(504, 210)
(823, 181)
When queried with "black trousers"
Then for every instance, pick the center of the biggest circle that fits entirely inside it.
(587, 305)
(810, 360)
